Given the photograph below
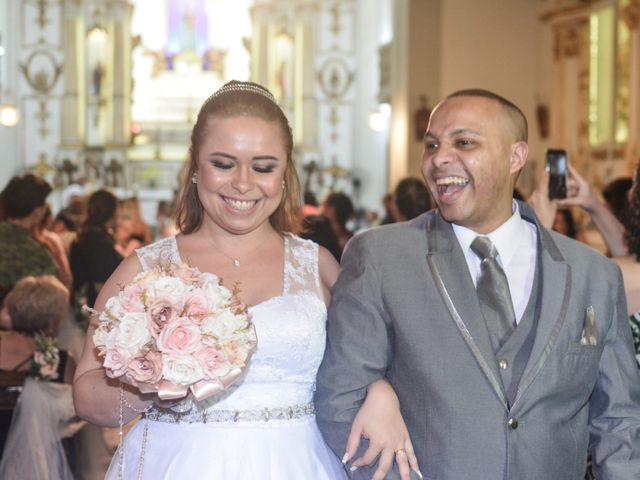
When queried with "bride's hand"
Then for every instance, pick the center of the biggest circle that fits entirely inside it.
(379, 420)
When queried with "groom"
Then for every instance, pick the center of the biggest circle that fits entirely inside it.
(506, 368)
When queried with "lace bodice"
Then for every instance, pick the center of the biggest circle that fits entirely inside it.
(290, 330)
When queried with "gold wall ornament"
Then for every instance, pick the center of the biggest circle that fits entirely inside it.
(630, 14)
(335, 18)
(41, 71)
(42, 18)
(42, 168)
(335, 77)
(567, 40)
(43, 115)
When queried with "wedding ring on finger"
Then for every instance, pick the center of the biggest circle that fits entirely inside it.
(399, 450)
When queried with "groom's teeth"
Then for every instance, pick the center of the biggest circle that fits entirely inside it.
(240, 204)
(452, 181)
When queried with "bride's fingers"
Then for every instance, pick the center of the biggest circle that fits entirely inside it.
(411, 457)
(352, 442)
(384, 465)
(402, 460)
(368, 456)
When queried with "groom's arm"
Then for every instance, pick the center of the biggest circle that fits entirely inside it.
(615, 404)
(358, 346)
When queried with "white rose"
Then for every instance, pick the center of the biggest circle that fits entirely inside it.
(113, 306)
(103, 337)
(171, 289)
(181, 369)
(133, 332)
(217, 295)
(223, 324)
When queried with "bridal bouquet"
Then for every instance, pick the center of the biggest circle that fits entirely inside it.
(176, 329)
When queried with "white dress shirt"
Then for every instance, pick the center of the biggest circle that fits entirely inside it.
(516, 242)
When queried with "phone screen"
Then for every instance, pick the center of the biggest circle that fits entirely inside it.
(557, 168)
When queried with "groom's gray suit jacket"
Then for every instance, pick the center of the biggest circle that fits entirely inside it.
(405, 308)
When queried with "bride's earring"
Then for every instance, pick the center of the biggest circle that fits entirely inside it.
(283, 184)
(193, 178)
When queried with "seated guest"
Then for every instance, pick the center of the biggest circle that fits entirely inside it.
(31, 313)
(22, 203)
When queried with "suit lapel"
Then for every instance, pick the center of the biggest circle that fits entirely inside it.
(554, 294)
(451, 275)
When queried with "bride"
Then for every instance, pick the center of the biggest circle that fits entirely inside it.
(236, 212)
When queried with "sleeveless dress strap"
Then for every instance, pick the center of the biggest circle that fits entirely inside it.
(163, 251)
(301, 273)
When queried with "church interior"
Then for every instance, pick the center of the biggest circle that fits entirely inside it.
(104, 92)
(101, 96)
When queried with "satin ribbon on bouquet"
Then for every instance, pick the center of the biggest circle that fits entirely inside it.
(201, 390)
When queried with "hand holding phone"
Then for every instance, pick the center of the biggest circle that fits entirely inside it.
(556, 165)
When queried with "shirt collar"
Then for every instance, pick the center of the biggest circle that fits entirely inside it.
(502, 237)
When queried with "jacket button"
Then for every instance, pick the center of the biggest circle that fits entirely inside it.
(503, 363)
(513, 423)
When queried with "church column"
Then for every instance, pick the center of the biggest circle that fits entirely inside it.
(260, 44)
(73, 112)
(305, 121)
(631, 16)
(121, 12)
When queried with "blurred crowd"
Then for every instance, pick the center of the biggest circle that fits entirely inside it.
(52, 264)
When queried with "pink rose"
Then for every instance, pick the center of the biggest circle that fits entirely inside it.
(116, 361)
(160, 312)
(131, 298)
(146, 368)
(213, 362)
(197, 306)
(181, 336)
(187, 274)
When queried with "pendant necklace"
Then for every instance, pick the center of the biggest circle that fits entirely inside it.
(234, 260)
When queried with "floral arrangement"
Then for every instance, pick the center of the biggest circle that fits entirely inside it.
(46, 358)
(176, 329)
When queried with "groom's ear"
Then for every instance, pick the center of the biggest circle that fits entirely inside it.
(518, 159)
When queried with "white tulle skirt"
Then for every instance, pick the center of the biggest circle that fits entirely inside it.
(274, 450)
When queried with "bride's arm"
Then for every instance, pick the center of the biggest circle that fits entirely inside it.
(97, 397)
(379, 419)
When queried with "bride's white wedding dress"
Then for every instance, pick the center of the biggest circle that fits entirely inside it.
(263, 427)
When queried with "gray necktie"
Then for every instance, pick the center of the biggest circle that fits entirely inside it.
(493, 292)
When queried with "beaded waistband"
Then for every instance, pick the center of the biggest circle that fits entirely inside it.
(231, 416)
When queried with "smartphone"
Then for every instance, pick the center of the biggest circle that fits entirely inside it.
(557, 167)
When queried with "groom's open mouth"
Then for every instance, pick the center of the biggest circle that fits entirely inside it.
(450, 185)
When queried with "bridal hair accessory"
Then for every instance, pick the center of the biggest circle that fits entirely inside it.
(242, 87)
(177, 329)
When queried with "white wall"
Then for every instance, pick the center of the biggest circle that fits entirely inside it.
(10, 155)
(500, 46)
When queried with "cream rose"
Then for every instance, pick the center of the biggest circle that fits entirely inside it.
(224, 323)
(133, 332)
(181, 369)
